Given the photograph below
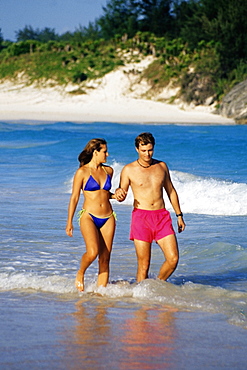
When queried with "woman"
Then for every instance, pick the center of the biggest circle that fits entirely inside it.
(97, 219)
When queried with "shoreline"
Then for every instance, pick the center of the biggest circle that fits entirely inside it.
(108, 101)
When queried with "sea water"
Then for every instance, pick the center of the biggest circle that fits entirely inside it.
(39, 262)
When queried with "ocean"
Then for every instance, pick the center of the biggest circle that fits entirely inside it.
(197, 319)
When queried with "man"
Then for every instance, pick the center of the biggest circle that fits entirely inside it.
(150, 220)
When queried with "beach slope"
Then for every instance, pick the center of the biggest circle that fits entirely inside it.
(107, 100)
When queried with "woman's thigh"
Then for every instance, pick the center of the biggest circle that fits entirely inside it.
(89, 232)
(106, 235)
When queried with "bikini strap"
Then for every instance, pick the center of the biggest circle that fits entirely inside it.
(79, 214)
(104, 169)
(83, 210)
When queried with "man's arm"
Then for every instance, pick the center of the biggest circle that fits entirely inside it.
(122, 190)
(173, 197)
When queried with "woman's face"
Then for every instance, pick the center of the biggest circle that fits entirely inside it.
(102, 154)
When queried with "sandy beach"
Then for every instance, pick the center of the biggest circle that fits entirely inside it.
(115, 98)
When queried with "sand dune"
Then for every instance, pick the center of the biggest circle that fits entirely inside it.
(113, 99)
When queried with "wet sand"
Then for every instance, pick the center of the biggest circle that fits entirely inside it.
(97, 333)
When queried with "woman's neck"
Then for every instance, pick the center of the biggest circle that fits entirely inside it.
(94, 165)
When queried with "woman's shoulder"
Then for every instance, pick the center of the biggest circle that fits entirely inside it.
(82, 171)
(108, 169)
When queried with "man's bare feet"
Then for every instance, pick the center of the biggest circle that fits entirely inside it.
(79, 281)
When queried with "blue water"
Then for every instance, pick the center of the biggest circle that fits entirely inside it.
(208, 169)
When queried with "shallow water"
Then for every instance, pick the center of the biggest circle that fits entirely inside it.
(46, 331)
(39, 262)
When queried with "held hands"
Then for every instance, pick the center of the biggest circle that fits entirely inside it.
(120, 194)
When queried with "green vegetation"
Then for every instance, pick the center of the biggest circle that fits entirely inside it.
(58, 61)
(199, 46)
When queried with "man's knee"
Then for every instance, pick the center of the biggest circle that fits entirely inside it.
(173, 260)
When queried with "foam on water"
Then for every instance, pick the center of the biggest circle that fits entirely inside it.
(188, 296)
(210, 196)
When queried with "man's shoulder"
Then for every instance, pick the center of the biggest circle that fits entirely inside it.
(160, 163)
(130, 165)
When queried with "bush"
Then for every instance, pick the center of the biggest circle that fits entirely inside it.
(22, 47)
(79, 77)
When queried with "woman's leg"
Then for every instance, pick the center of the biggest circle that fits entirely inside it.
(106, 235)
(91, 237)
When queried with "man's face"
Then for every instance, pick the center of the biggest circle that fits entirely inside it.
(145, 152)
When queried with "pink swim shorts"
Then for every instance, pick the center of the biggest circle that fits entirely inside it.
(150, 225)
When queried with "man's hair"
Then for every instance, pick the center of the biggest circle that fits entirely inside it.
(144, 139)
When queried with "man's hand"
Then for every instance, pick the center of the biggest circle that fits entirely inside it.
(181, 224)
(120, 194)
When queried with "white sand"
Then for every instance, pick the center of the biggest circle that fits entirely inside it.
(111, 99)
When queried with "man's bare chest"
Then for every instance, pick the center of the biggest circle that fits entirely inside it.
(147, 180)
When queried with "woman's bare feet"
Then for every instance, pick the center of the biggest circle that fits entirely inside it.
(79, 281)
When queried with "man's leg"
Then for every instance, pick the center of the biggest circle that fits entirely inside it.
(169, 247)
(143, 253)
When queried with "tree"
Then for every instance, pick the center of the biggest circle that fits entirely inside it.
(155, 16)
(91, 32)
(131, 16)
(225, 21)
(188, 21)
(47, 34)
(120, 17)
(28, 33)
(222, 21)
(1, 39)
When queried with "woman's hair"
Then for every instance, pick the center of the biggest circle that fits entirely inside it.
(86, 155)
(144, 139)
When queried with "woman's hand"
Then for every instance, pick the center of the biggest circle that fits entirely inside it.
(69, 230)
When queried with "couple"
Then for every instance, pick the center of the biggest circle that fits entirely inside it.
(150, 220)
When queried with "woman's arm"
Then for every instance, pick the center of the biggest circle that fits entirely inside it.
(76, 190)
